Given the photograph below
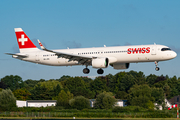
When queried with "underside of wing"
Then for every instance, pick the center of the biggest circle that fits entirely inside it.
(84, 60)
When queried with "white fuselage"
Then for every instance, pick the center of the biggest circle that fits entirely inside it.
(121, 54)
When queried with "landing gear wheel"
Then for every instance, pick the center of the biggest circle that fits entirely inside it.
(157, 68)
(86, 70)
(100, 71)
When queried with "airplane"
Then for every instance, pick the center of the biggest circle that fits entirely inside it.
(118, 57)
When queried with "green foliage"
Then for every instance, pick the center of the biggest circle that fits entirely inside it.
(46, 90)
(22, 94)
(158, 94)
(160, 84)
(50, 84)
(29, 84)
(72, 83)
(172, 82)
(128, 109)
(121, 95)
(115, 81)
(36, 109)
(123, 85)
(41, 93)
(7, 100)
(12, 82)
(76, 86)
(123, 81)
(98, 85)
(174, 92)
(126, 83)
(63, 99)
(57, 90)
(108, 93)
(79, 103)
(140, 95)
(158, 115)
(39, 114)
(151, 79)
(149, 105)
(167, 90)
(174, 85)
(63, 78)
(104, 101)
(87, 80)
(139, 77)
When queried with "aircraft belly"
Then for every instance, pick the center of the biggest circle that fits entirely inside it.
(133, 58)
(31, 58)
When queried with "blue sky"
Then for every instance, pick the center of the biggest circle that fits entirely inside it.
(88, 23)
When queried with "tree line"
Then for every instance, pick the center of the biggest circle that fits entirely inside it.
(135, 87)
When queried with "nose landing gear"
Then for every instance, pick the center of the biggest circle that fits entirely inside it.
(157, 68)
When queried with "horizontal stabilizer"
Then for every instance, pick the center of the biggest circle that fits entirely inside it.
(17, 55)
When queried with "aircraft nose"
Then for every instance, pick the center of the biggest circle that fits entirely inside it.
(174, 54)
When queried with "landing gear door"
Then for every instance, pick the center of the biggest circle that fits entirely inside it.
(153, 50)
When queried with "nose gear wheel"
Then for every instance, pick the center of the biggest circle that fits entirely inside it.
(157, 68)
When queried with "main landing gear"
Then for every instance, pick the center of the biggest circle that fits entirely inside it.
(86, 70)
(157, 68)
(99, 71)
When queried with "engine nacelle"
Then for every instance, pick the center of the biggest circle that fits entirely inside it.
(100, 63)
(120, 65)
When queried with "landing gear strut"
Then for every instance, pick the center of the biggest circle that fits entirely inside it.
(157, 68)
(86, 70)
(100, 71)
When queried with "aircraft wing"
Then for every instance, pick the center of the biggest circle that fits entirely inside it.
(84, 60)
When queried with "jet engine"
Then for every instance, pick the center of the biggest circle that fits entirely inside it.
(100, 63)
(120, 65)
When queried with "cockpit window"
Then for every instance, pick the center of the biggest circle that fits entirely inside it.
(165, 49)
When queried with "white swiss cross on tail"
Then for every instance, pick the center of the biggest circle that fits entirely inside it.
(25, 44)
(22, 39)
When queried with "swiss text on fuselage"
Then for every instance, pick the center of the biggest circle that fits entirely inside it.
(138, 50)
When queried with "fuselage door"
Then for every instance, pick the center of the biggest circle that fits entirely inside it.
(37, 57)
(153, 50)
